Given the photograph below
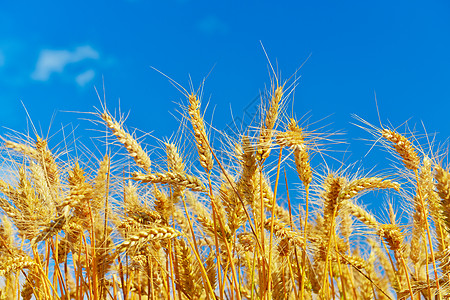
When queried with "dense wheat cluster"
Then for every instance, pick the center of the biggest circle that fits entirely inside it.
(225, 222)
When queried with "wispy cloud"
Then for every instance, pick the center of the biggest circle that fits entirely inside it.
(85, 77)
(54, 61)
(212, 25)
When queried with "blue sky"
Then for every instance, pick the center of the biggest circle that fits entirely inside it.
(52, 54)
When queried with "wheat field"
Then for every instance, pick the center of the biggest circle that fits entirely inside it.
(197, 217)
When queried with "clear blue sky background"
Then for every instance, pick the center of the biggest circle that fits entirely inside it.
(52, 54)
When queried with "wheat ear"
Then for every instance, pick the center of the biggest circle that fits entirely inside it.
(266, 131)
(133, 147)
(185, 180)
(394, 238)
(293, 138)
(150, 234)
(362, 215)
(357, 186)
(47, 160)
(175, 164)
(403, 147)
(201, 138)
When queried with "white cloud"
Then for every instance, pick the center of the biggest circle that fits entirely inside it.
(85, 77)
(54, 61)
(212, 25)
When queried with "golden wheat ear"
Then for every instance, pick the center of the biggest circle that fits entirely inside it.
(184, 180)
(266, 131)
(403, 147)
(294, 138)
(393, 236)
(362, 215)
(128, 141)
(201, 138)
(442, 185)
(145, 236)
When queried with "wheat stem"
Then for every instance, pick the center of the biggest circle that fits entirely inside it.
(272, 222)
(427, 228)
(305, 236)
